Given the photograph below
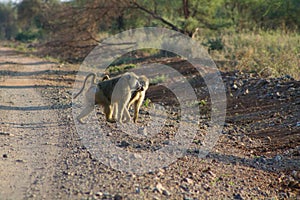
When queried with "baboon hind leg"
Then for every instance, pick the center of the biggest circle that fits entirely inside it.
(87, 110)
(108, 113)
(122, 112)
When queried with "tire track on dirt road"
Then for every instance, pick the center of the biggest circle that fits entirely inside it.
(29, 130)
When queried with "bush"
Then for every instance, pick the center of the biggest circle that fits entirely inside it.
(28, 36)
(257, 51)
(214, 44)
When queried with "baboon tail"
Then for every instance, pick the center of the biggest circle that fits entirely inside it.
(93, 82)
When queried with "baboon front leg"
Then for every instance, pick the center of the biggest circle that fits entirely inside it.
(136, 112)
(137, 106)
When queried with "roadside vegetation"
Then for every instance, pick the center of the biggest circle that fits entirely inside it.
(254, 35)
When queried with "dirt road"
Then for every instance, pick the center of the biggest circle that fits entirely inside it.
(29, 129)
(42, 156)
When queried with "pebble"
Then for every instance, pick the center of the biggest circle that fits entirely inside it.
(278, 158)
(124, 144)
(137, 190)
(187, 198)
(296, 174)
(235, 86)
(188, 180)
(206, 187)
(142, 131)
(98, 194)
(237, 197)
(161, 189)
(118, 197)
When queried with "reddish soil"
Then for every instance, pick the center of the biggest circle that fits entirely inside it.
(256, 157)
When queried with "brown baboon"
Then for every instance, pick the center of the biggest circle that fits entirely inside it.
(93, 83)
(112, 94)
(137, 97)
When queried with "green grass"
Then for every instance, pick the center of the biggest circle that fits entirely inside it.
(121, 68)
(19, 46)
(158, 79)
(147, 102)
(271, 53)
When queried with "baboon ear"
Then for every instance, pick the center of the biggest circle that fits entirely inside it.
(106, 77)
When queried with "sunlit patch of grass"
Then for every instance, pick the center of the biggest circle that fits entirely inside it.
(147, 102)
(121, 68)
(269, 53)
(158, 79)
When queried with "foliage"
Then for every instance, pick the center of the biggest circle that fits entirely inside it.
(8, 27)
(120, 68)
(28, 36)
(214, 44)
(249, 35)
(158, 79)
(273, 51)
(147, 102)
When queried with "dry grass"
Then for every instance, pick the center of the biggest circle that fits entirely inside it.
(268, 53)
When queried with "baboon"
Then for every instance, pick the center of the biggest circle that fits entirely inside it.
(137, 97)
(93, 83)
(113, 94)
(94, 96)
(121, 94)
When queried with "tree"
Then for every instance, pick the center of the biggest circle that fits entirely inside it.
(73, 27)
(8, 26)
(182, 15)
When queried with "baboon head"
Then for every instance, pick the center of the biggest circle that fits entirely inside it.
(133, 81)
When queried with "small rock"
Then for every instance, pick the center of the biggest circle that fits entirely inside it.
(188, 180)
(137, 190)
(185, 187)
(187, 198)
(109, 134)
(296, 174)
(155, 198)
(246, 92)
(160, 174)
(166, 193)
(162, 189)
(278, 158)
(124, 144)
(118, 197)
(4, 156)
(235, 86)
(237, 197)
(283, 195)
(142, 131)
(278, 94)
(206, 187)
(98, 194)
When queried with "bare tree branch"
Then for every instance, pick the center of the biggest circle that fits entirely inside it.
(155, 16)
